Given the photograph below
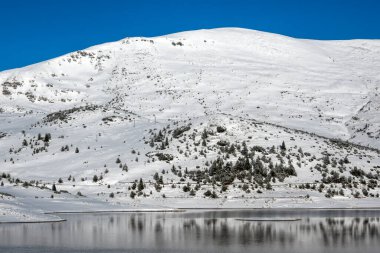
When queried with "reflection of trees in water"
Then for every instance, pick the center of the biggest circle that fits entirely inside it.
(225, 231)
(137, 223)
(158, 231)
(340, 231)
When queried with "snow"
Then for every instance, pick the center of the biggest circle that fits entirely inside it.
(242, 79)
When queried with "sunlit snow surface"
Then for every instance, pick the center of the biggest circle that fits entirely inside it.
(213, 77)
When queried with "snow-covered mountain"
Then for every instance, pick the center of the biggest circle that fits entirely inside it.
(327, 87)
(128, 109)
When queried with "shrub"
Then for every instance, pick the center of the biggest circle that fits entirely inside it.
(207, 193)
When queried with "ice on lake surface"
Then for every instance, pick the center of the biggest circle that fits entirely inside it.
(270, 230)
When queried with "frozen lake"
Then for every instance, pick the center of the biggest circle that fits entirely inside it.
(273, 230)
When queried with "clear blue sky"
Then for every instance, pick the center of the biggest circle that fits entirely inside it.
(36, 30)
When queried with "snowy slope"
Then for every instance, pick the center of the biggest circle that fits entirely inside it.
(110, 100)
(327, 87)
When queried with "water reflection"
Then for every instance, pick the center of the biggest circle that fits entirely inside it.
(210, 231)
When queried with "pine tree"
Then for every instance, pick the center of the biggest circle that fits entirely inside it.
(326, 160)
(245, 149)
(204, 134)
(47, 137)
(283, 147)
(156, 177)
(160, 136)
(53, 188)
(140, 186)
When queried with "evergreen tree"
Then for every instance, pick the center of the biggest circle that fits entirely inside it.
(245, 149)
(47, 137)
(204, 134)
(283, 147)
(207, 193)
(140, 186)
(186, 188)
(326, 160)
(151, 144)
(162, 145)
(155, 176)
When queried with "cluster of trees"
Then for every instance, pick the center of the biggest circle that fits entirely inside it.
(122, 166)
(34, 143)
(136, 188)
(248, 169)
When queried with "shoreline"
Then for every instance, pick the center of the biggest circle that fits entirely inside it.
(31, 222)
(119, 211)
(183, 210)
(281, 208)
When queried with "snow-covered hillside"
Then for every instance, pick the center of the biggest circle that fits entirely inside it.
(327, 87)
(192, 107)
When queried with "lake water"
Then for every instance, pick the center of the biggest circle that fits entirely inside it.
(201, 231)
